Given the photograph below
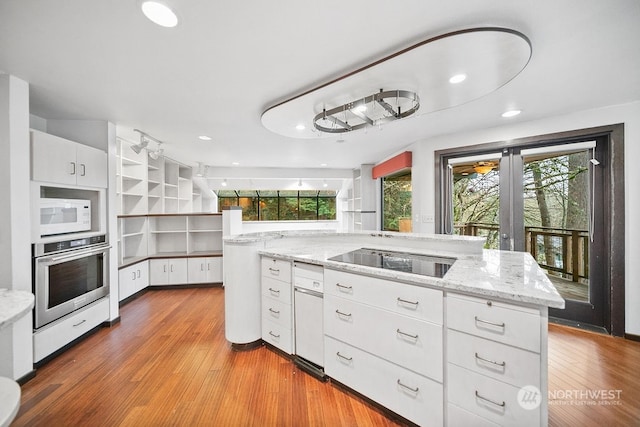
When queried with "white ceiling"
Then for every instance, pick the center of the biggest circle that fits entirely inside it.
(228, 62)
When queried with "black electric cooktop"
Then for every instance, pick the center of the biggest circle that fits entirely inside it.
(425, 265)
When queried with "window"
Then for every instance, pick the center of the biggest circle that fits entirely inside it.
(281, 205)
(396, 202)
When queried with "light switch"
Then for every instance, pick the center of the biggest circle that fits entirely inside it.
(427, 218)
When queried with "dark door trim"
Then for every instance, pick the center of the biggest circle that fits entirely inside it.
(613, 183)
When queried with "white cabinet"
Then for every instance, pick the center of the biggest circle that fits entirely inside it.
(277, 313)
(204, 270)
(58, 160)
(172, 271)
(384, 339)
(133, 279)
(495, 350)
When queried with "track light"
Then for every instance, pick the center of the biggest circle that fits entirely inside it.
(157, 152)
(224, 182)
(138, 147)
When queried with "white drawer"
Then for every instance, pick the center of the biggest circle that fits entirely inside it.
(56, 335)
(276, 268)
(278, 335)
(276, 289)
(410, 395)
(406, 341)
(505, 323)
(488, 398)
(276, 311)
(410, 300)
(512, 365)
(458, 417)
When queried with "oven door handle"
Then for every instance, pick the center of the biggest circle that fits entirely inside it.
(79, 254)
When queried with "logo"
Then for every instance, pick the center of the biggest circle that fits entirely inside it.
(529, 397)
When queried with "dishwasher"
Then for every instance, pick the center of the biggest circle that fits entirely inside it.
(308, 318)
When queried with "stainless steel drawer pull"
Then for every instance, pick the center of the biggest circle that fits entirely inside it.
(406, 387)
(344, 357)
(415, 337)
(274, 335)
(499, 325)
(404, 301)
(274, 271)
(490, 361)
(343, 314)
(348, 288)
(502, 405)
(275, 291)
(277, 312)
(80, 323)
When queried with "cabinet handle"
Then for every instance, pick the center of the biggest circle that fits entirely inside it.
(502, 364)
(80, 323)
(346, 288)
(274, 311)
(404, 301)
(406, 387)
(138, 274)
(274, 291)
(343, 314)
(171, 269)
(349, 359)
(164, 268)
(201, 267)
(73, 168)
(499, 325)
(274, 335)
(134, 275)
(415, 337)
(83, 169)
(274, 271)
(208, 266)
(502, 405)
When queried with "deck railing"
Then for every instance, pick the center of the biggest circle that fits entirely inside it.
(560, 250)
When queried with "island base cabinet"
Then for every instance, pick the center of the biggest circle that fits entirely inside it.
(277, 335)
(491, 399)
(458, 417)
(404, 392)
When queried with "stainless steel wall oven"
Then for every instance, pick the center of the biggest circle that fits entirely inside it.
(68, 275)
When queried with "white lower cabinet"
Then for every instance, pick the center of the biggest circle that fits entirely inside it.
(133, 279)
(410, 395)
(204, 270)
(171, 271)
(458, 417)
(276, 298)
(56, 335)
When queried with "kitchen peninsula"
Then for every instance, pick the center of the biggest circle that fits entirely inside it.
(466, 348)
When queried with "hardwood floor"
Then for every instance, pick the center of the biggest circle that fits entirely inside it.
(168, 363)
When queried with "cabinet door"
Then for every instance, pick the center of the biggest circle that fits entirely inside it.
(126, 282)
(158, 272)
(91, 166)
(197, 270)
(214, 270)
(53, 159)
(178, 272)
(142, 276)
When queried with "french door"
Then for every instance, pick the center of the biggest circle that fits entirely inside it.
(545, 198)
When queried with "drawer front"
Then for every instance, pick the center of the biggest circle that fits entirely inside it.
(410, 395)
(276, 289)
(276, 311)
(276, 269)
(512, 365)
(408, 342)
(60, 333)
(505, 323)
(410, 300)
(458, 417)
(488, 398)
(277, 335)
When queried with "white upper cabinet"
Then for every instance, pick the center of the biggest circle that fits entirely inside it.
(58, 160)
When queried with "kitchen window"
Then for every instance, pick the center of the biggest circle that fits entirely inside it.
(281, 205)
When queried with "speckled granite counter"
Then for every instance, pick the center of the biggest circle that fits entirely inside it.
(13, 305)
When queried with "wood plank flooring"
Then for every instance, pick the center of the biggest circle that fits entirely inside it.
(168, 364)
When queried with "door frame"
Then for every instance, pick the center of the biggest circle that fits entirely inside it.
(614, 274)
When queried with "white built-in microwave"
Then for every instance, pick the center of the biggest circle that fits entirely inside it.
(61, 216)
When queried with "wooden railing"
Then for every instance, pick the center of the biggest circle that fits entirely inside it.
(564, 251)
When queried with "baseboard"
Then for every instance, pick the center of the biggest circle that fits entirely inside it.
(25, 378)
(579, 325)
(632, 337)
(111, 323)
(186, 286)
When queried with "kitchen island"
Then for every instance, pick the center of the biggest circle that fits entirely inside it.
(467, 348)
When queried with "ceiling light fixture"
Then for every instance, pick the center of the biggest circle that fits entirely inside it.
(204, 138)
(224, 182)
(300, 127)
(386, 106)
(511, 113)
(235, 163)
(458, 78)
(324, 183)
(484, 167)
(155, 154)
(144, 141)
(299, 182)
(159, 13)
(201, 171)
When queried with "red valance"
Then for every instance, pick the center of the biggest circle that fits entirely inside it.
(393, 165)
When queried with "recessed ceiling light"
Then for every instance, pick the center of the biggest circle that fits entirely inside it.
(204, 138)
(235, 163)
(159, 13)
(323, 164)
(511, 113)
(361, 108)
(458, 78)
(300, 127)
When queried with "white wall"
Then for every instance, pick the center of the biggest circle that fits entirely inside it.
(423, 178)
(263, 226)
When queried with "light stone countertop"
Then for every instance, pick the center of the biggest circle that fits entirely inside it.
(510, 276)
(13, 305)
